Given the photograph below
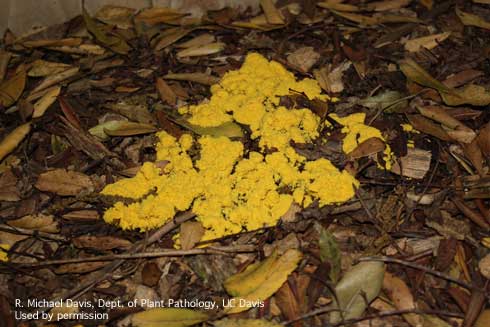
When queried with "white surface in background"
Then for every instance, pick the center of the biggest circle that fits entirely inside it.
(21, 16)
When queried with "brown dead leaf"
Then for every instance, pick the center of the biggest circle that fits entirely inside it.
(272, 14)
(368, 147)
(8, 187)
(102, 243)
(13, 139)
(483, 140)
(484, 266)
(157, 15)
(116, 15)
(402, 298)
(473, 152)
(462, 77)
(150, 274)
(45, 102)
(11, 89)
(39, 222)
(425, 125)
(287, 302)
(201, 78)
(190, 233)
(127, 128)
(171, 36)
(386, 5)
(166, 93)
(304, 58)
(202, 50)
(427, 42)
(415, 164)
(330, 79)
(82, 215)
(55, 79)
(472, 20)
(64, 182)
(52, 43)
(200, 40)
(80, 268)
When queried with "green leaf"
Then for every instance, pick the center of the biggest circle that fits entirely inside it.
(113, 41)
(120, 128)
(168, 317)
(359, 286)
(330, 252)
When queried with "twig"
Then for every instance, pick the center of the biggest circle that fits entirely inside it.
(153, 254)
(420, 267)
(23, 231)
(108, 270)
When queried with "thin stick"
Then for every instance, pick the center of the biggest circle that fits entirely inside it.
(108, 270)
(29, 232)
(166, 253)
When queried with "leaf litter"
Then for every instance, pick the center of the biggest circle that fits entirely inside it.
(81, 103)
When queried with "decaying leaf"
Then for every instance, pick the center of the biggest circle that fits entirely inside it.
(53, 80)
(102, 243)
(427, 42)
(369, 147)
(82, 215)
(80, 268)
(200, 40)
(39, 222)
(472, 20)
(402, 298)
(304, 58)
(359, 286)
(200, 78)
(8, 187)
(45, 102)
(425, 125)
(127, 128)
(157, 15)
(415, 164)
(470, 94)
(484, 139)
(202, 50)
(260, 280)
(228, 129)
(330, 252)
(390, 101)
(111, 40)
(11, 89)
(272, 14)
(116, 15)
(484, 319)
(190, 233)
(171, 36)
(41, 68)
(245, 323)
(64, 182)
(12, 140)
(169, 317)
(166, 93)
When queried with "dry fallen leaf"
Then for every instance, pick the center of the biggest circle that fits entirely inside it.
(64, 182)
(272, 14)
(329, 79)
(427, 42)
(245, 323)
(45, 102)
(201, 78)
(415, 164)
(102, 243)
(116, 15)
(472, 20)
(402, 298)
(166, 93)
(38, 222)
(12, 140)
(304, 58)
(357, 288)
(260, 280)
(80, 268)
(11, 89)
(8, 187)
(190, 233)
(202, 50)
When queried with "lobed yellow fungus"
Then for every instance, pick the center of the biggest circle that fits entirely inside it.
(229, 188)
(3, 252)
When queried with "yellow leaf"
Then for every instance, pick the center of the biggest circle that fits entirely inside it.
(10, 90)
(10, 142)
(472, 20)
(260, 281)
(190, 233)
(45, 102)
(168, 317)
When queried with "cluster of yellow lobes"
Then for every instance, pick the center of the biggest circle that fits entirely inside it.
(229, 188)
